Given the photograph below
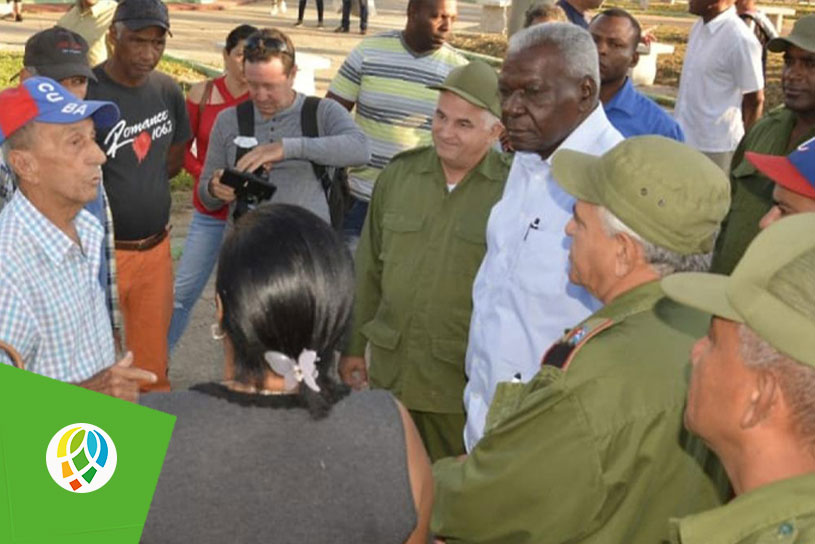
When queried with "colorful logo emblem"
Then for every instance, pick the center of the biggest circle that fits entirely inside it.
(81, 458)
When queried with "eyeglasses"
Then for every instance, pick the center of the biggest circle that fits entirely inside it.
(267, 44)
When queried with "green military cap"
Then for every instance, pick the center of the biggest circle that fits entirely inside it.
(771, 290)
(668, 193)
(802, 35)
(475, 82)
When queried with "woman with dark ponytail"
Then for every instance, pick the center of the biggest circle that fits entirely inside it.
(280, 451)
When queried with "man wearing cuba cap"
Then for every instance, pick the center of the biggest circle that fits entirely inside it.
(794, 177)
(55, 320)
(592, 449)
(752, 388)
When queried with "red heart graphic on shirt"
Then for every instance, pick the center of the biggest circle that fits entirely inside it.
(141, 145)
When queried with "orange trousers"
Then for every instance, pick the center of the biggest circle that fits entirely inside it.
(145, 280)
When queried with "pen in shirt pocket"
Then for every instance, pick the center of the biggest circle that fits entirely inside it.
(533, 225)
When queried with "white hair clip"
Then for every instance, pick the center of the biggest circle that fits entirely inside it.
(294, 372)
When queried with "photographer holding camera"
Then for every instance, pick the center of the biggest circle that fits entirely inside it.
(273, 141)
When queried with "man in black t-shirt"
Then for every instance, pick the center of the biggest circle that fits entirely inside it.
(144, 149)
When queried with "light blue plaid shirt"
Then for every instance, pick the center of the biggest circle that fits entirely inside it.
(52, 307)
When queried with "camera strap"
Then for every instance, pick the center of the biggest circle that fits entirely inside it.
(246, 125)
(308, 124)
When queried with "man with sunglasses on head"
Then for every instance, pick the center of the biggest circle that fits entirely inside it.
(280, 152)
(144, 149)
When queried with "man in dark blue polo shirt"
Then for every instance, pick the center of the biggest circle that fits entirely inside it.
(616, 34)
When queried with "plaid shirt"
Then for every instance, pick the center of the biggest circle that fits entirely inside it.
(110, 257)
(53, 307)
(7, 188)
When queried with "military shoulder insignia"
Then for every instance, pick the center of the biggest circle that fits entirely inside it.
(562, 352)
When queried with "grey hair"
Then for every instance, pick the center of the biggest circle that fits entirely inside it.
(22, 138)
(796, 380)
(663, 261)
(489, 119)
(574, 44)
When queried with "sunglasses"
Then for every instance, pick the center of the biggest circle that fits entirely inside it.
(266, 43)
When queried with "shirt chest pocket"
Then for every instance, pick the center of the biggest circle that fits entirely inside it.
(541, 265)
(468, 244)
(401, 236)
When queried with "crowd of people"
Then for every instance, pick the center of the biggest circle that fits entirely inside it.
(570, 315)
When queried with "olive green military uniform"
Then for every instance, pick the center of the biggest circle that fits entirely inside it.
(782, 512)
(593, 448)
(418, 255)
(752, 191)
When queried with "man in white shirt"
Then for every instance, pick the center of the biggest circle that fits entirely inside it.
(721, 89)
(522, 297)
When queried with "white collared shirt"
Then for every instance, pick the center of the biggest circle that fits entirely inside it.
(522, 298)
(722, 64)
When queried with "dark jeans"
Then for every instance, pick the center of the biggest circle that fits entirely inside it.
(363, 14)
(302, 8)
(352, 225)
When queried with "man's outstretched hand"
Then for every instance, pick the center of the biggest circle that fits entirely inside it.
(122, 380)
(353, 372)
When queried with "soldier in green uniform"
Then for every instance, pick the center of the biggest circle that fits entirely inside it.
(777, 133)
(421, 246)
(752, 388)
(592, 449)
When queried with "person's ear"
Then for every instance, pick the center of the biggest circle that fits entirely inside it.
(588, 91)
(293, 73)
(627, 253)
(765, 396)
(112, 35)
(635, 58)
(219, 309)
(495, 132)
(24, 164)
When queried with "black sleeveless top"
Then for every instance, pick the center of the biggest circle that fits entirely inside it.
(253, 468)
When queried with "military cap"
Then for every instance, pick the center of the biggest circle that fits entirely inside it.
(475, 82)
(771, 290)
(668, 193)
(802, 35)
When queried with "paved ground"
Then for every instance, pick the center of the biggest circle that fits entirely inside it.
(198, 34)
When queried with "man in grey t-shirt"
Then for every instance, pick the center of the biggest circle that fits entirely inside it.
(281, 148)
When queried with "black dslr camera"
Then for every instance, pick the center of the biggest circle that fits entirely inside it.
(250, 189)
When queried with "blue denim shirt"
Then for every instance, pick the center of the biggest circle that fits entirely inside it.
(634, 114)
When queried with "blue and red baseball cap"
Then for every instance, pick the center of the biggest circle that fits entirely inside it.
(795, 172)
(44, 100)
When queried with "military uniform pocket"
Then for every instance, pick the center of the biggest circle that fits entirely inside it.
(400, 235)
(383, 339)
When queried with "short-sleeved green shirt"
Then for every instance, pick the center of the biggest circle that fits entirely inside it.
(420, 249)
(782, 512)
